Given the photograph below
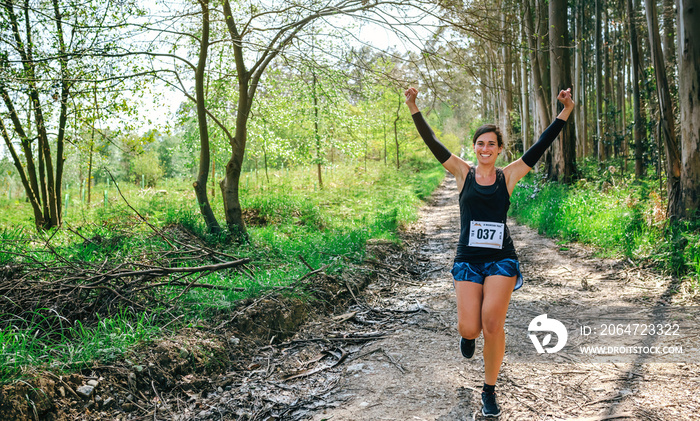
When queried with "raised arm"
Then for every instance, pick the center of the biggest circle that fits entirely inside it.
(519, 168)
(452, 163)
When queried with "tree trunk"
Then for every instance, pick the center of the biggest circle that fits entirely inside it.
(89, 175)
(542, 29)
(578, 83)
(666, 125)
(541, 92)
(506, 92)
(200, 184)
(607, 80)
(63, 113)
(384, 131)
(482, 88)
(524, 95)
(564, 151)
(316, 133)
(600, 145)
(229, 185)
(639, 127)
(213, 177)
(92, 145)
(26, 182)
(396, 131)
(44, 190)
(669, 48)
(689, 86)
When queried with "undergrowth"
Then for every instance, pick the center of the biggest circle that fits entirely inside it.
(292, 222)
(620, 216)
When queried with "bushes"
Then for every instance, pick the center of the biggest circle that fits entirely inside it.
(621, 218)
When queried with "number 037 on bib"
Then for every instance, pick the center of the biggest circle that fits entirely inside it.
(486, 234)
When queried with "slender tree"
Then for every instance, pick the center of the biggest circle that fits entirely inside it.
(666, 127)
(579, 85)
(51, 57)
(564, 151)
(600, 144)
(524, 92)
(289, 20)
(200, 184)
(506, 91)
(689, 89)
(541, 91)
(639, 127)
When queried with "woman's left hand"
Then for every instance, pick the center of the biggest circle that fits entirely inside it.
(565, 98)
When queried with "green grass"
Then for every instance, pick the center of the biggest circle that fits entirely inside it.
(29, 343)
(624, 218)
(291, 216)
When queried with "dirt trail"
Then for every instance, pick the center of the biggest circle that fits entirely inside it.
(417, 372)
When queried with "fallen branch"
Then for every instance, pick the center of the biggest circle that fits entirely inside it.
(162, 271)
(605, 417)
(306, 373)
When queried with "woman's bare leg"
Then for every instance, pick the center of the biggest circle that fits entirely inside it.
(496, 297)
(469, 297)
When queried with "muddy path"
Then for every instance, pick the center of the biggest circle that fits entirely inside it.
(393, 354)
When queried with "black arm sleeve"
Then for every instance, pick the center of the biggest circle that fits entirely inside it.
(535, 152)
(438, 149)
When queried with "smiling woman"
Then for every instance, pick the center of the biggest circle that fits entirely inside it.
(486, 269)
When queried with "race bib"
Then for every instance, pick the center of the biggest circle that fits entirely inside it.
(486, 234)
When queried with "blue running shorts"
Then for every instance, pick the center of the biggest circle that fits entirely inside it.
(476, 272)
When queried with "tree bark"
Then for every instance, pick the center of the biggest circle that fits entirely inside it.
(564, 148)
(316, 133)
(396, 130)
(578, 83)
(639, 127)
(63, 113)
(542, 29)
(600, 144)
(666, 125)
(608, 100)
(506, 93)
(689, 88)
(524, 95)
(669, 48)
(200, 184)
(541, 92)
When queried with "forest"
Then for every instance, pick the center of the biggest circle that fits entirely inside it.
(163, 165)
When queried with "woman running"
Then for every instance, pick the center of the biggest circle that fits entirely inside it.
(486, 260)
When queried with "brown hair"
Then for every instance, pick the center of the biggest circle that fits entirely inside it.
(488, 128)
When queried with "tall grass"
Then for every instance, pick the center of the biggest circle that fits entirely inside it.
(287, 218)
(28, 342)
(624, 218)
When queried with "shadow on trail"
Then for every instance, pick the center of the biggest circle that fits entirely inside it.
(628, 381)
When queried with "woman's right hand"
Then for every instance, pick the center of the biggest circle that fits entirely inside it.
(411, 94)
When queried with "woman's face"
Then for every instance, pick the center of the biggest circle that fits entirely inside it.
(486, 148)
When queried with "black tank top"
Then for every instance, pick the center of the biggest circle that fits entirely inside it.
(484, 203)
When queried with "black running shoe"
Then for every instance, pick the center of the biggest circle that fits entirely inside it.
(491, 408)
(467, 346)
